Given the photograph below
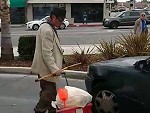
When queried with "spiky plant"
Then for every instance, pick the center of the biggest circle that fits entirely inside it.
(85, 56)
(109, 50)
(135, 45)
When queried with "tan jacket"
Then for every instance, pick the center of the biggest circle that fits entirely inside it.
(48, 53)
(138, 27)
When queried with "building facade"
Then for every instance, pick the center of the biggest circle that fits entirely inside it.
(17, 11)
(37, 9)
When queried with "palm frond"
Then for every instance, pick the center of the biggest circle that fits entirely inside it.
(83, 55)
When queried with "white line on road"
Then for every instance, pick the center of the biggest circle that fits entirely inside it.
(109, 30)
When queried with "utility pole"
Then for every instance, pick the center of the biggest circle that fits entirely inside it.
(132, 4)
(104, 9)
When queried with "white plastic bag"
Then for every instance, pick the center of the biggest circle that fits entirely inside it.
(76, 98)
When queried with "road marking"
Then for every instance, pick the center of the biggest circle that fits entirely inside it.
(109, 31)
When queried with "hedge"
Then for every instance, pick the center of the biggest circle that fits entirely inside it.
(26, 46)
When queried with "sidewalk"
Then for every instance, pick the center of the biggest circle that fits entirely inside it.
(19, 93)
(68, 49)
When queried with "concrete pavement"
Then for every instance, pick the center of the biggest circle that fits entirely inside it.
(68, 49)
(19, 93)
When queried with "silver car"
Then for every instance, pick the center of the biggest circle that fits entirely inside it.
(125, 18)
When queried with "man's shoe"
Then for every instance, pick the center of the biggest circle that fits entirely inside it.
(52, 111)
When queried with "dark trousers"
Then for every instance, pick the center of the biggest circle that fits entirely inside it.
(47, 95)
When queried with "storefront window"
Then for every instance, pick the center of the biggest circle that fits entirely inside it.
(94, 12)
(17, 15)
(42, 10)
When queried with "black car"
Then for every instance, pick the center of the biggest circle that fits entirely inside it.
(118, 86)
(125, 18)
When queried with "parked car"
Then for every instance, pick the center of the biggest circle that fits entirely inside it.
(125, 18)
(34, 25)
(65, 24)
(118, 87)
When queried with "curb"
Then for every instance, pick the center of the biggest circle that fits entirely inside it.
(17, 26)
(84, 25)
(27, 70)
(17, 70)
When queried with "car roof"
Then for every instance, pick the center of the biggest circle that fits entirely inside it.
(139, 9)
(131, 11)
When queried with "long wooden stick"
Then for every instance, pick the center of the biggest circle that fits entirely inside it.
(57, 71)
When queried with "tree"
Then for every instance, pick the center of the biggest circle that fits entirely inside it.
(6, 43)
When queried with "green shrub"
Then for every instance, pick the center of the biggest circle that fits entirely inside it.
(26, 46)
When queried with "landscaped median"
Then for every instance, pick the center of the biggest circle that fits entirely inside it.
(125, 46)
(27, 70)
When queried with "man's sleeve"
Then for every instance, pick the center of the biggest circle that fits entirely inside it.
(47, 51)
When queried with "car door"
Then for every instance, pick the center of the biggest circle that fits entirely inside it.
(133, 17)
(124, 18)
(132, 87)
(142, 88)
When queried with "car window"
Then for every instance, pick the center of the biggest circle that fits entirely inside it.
(147, 12)
(118, 14)
(134, 14)
(45, 18)
(125, 14)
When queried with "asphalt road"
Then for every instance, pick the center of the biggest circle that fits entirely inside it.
(19, 92)
(73, 35)
(91, 35)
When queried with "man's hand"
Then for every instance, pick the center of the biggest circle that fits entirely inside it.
(58, 73)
